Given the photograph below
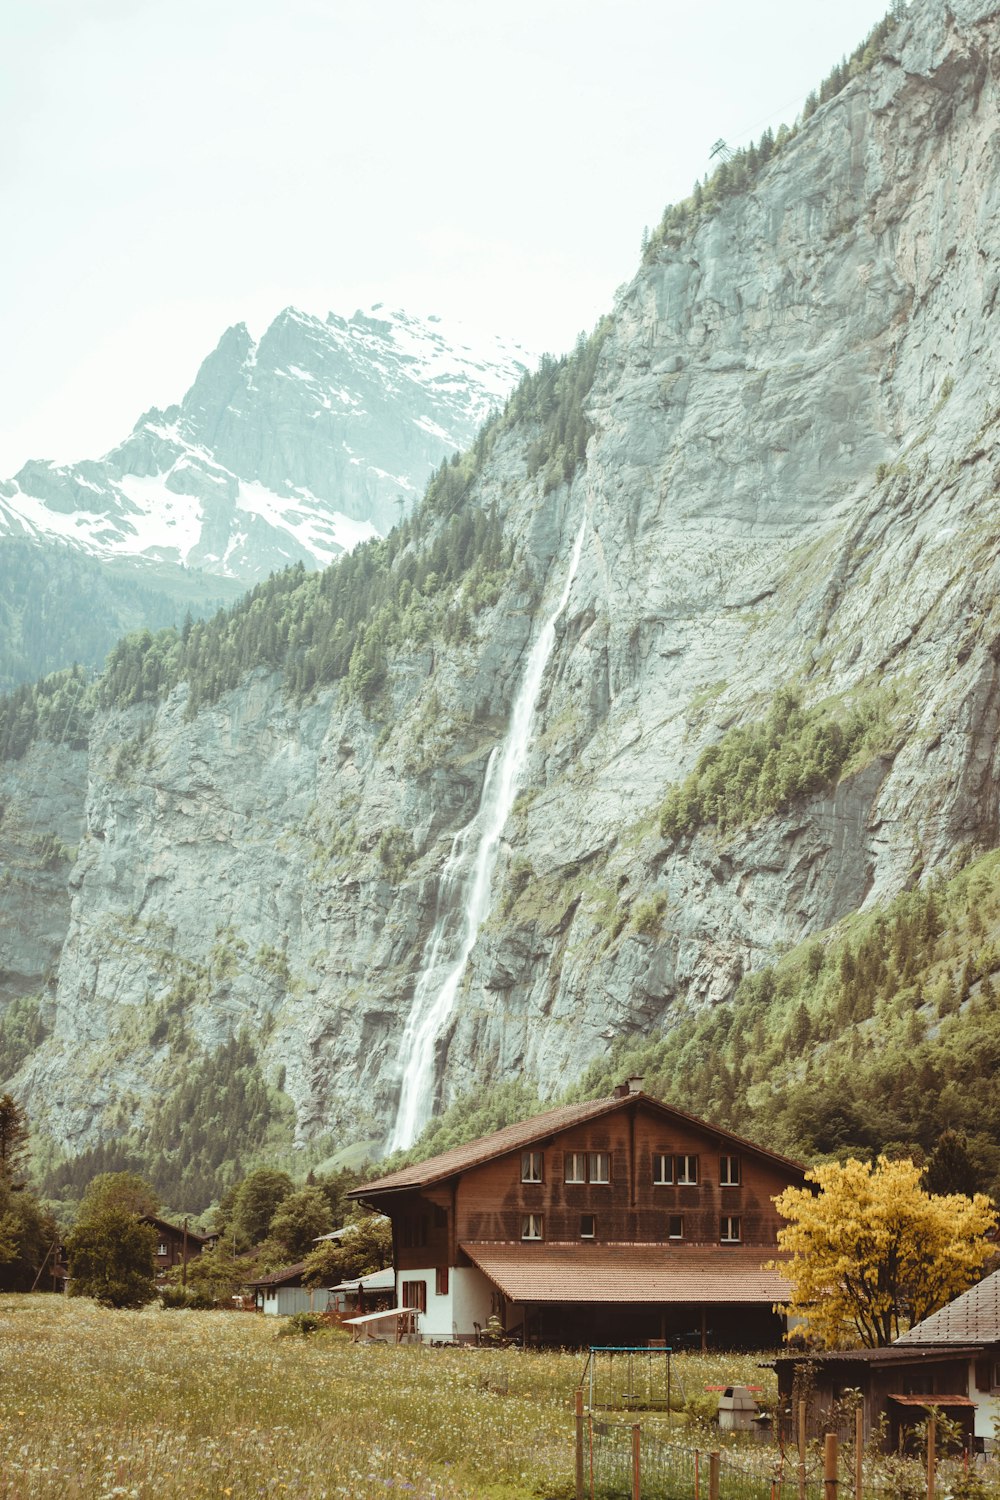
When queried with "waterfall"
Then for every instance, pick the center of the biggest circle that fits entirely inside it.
(463, 899)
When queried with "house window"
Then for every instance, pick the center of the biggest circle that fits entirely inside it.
(663, 1169)
(731, 1230)
(440, 1217)
(588, 1226)
(576, 1166)
(531, 1227)
(600, 1166)
(441, 1281)
(420, 1231)
(531, 1166)
(161, 1248)
(729, 1171)
(687, 1171)
(415, 1295)
(675, 1226)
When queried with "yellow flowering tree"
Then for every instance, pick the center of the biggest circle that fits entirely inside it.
(871, 1252)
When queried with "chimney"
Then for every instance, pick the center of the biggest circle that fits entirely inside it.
(621, 1091)
(634, 1085)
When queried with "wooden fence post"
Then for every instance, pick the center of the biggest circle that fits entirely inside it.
(713, 1476)
(579, 1445)
(931, 1454)
(636, 1464)
(697, 1475)
(802, 1450)
(859, 1451)
(830, 1467)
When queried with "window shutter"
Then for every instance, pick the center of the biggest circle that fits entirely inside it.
(983, 1374)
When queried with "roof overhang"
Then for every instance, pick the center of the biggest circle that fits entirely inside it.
(639, 1274)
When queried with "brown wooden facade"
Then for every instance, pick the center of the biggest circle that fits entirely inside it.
(490, 1201)
(175, 1244)
(897, 1386)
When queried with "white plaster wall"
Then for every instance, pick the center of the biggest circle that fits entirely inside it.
(435, 1323)
(470, 1300)
(987, 1407)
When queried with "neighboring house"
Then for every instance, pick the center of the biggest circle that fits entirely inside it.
(282, 1293)
(616, 1221)
(345, 1231)
(951, 1361)
(372, 1293)
(176, 1244)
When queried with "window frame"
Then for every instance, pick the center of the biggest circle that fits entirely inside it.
(659, 1157)
(528, 1165)
(597, 1156)
(673, 1219)
(727, 1221)
(590, 1234)
(681, 1177)
(734, 1163)
(417, 1289)
(532, 1222)
(574, 1157)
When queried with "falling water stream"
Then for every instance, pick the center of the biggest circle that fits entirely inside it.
(463, 900)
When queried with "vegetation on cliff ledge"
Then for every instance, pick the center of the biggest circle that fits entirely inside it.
(761, 768)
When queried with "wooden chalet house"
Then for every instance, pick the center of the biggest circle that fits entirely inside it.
(616, 1221)
(176, 1245)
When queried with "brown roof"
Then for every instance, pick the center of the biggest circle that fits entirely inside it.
(887, 1354)
(627, 1273)
(278, 1278)
(973, 1318)
(513, 1137)
(165, 1225)
(933, 1400)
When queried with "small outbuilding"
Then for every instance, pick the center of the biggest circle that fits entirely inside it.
(950, 1361)
(282, 1293)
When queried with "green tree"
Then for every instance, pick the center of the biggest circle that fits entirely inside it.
(13, 1139)
(216, 1273)
(28, 1234)
(126, 1191)
(950, 1168)
(300, 1219)
(111, 1258)
(259, 1196)
(365, 1246)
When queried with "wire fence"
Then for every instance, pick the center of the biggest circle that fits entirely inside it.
(618, 1457)
(622, 1461)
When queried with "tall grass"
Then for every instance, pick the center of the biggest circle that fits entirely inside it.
(97, 1404)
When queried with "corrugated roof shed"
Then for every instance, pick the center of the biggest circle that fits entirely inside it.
(539, 1127)
(627, 1273)
(973, 1318)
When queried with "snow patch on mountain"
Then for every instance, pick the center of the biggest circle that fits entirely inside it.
(294, 448)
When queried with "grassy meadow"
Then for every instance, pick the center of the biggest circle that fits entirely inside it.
(95, 1404)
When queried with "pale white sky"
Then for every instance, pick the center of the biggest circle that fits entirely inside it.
(170, 167)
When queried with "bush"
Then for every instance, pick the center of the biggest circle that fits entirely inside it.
(302, 1323)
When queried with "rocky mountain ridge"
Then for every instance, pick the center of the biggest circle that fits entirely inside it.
(789, 486)
(290, 449)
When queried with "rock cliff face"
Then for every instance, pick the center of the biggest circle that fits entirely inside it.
(791, 482)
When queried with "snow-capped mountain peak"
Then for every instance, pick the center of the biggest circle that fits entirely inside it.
(294, 447)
